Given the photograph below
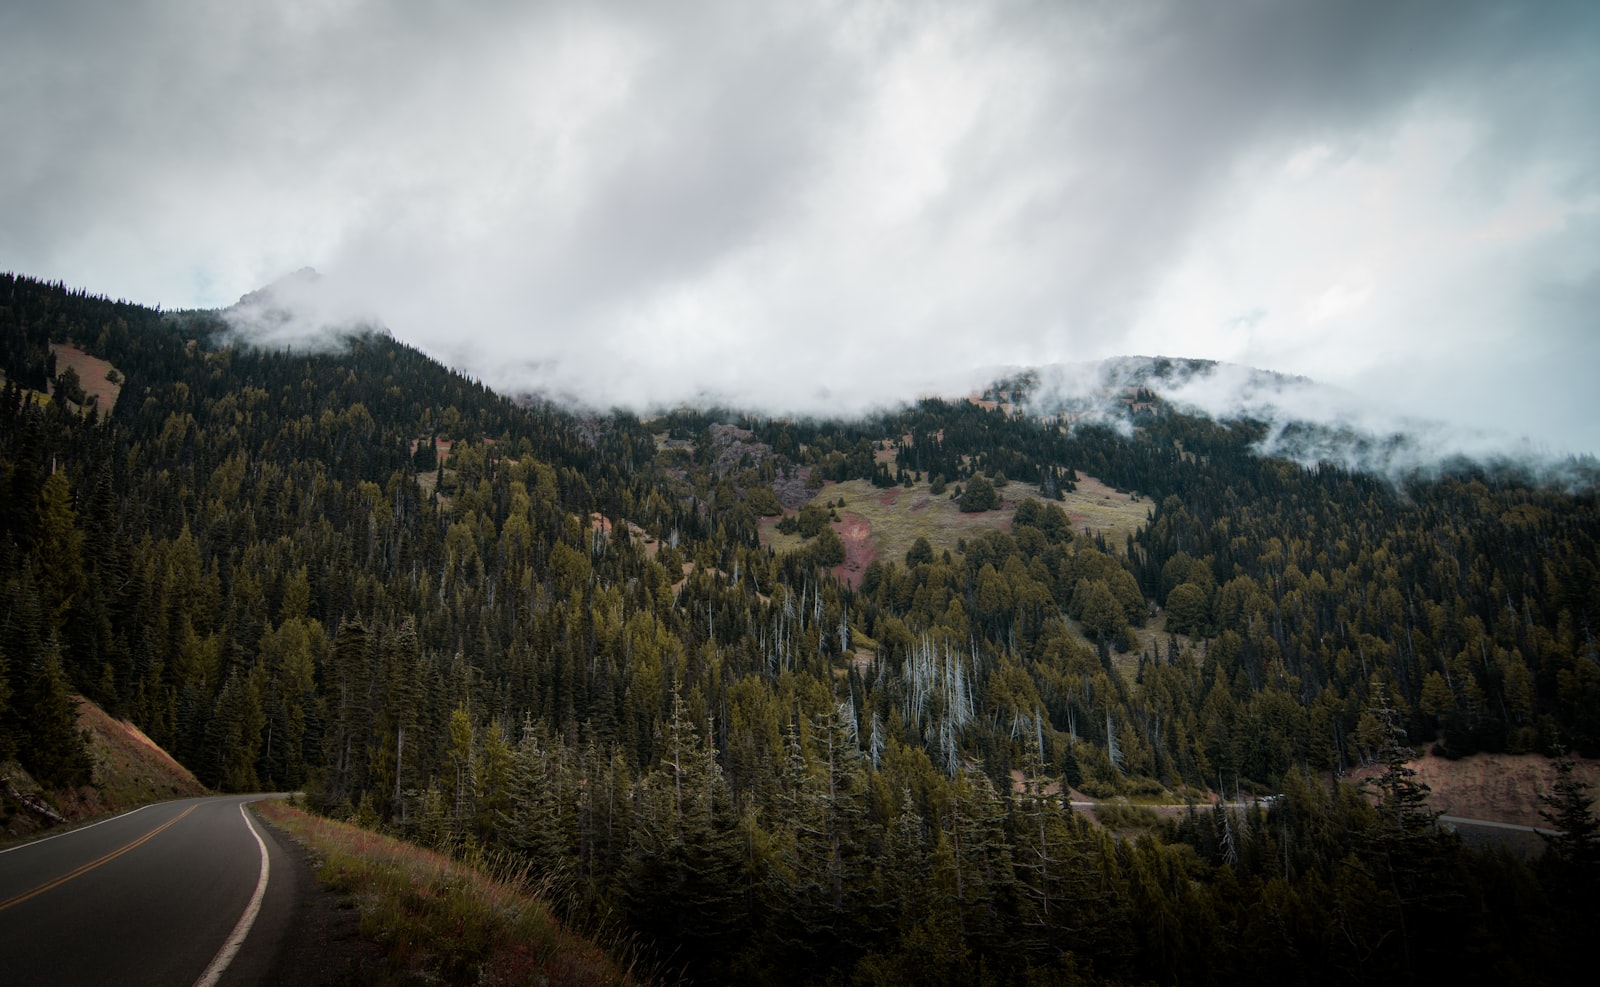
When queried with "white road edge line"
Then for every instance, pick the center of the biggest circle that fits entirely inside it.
(229, 949)
(79, 829)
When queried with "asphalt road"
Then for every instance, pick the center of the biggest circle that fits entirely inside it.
(160, 895)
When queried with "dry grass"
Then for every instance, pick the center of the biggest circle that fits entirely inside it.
(899, 516)
(91, 373)
(129, 768)
(428, 482)
(440, 920)
(1154, 633)
(1104, 511)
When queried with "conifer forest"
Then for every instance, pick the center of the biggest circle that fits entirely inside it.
(510, 628)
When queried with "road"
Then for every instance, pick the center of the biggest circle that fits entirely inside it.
(182, 892)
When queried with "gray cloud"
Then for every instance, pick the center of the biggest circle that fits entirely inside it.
(1305, 421)
(822, 206)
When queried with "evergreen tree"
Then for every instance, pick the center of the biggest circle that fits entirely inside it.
(682, 880)
(57, 551)
(50, 744)
(8, 744)
(234, 734)
(1573, 850)
(979, 495)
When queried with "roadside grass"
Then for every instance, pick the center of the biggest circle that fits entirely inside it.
(439, 920)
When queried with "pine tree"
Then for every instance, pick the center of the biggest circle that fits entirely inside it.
(1416, 860)
(534, 822)
(8, 743)
(234, 734)
(348, 686)
(57, 550)
(1573, 850)
(50, 744)
(682, 881)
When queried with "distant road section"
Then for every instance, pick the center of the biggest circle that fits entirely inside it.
(187, 892)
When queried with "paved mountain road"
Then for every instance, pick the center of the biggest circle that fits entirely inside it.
(152, 896)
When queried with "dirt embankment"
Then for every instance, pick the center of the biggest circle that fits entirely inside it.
(130, 770)
(1497, 787)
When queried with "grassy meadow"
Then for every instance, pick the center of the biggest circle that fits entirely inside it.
(898, 516)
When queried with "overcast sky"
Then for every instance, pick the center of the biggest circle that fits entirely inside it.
(817, 206)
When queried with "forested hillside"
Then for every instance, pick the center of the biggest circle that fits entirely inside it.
(479, 624)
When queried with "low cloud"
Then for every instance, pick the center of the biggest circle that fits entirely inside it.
(823, 207)
(1307, 422)
(301, 311)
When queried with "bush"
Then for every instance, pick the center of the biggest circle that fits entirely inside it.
(829, 548)
(921, 553)
(763, 501)
(1187, 609)
(813, 518)
(979, 496)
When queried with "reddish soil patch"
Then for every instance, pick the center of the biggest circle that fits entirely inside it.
(856, 533)
(442, 445)
(601, 523)
(889, 496)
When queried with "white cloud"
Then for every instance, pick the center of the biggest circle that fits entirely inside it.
(823, 205)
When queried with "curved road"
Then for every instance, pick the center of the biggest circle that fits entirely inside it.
(176, 893)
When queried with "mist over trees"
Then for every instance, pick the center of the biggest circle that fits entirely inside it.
(486, 626)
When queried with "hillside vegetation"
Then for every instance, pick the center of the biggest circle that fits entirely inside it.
(764, 772)
(125, 770)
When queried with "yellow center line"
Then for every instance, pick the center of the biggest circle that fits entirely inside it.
(91, 865)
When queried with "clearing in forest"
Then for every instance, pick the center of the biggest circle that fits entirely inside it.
(884, 522)
(92, 375)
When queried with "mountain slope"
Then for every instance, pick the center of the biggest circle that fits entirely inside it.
(565, 642)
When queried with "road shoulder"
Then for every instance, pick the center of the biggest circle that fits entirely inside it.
(316, 931)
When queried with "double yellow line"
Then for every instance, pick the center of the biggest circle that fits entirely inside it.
(91, 865)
